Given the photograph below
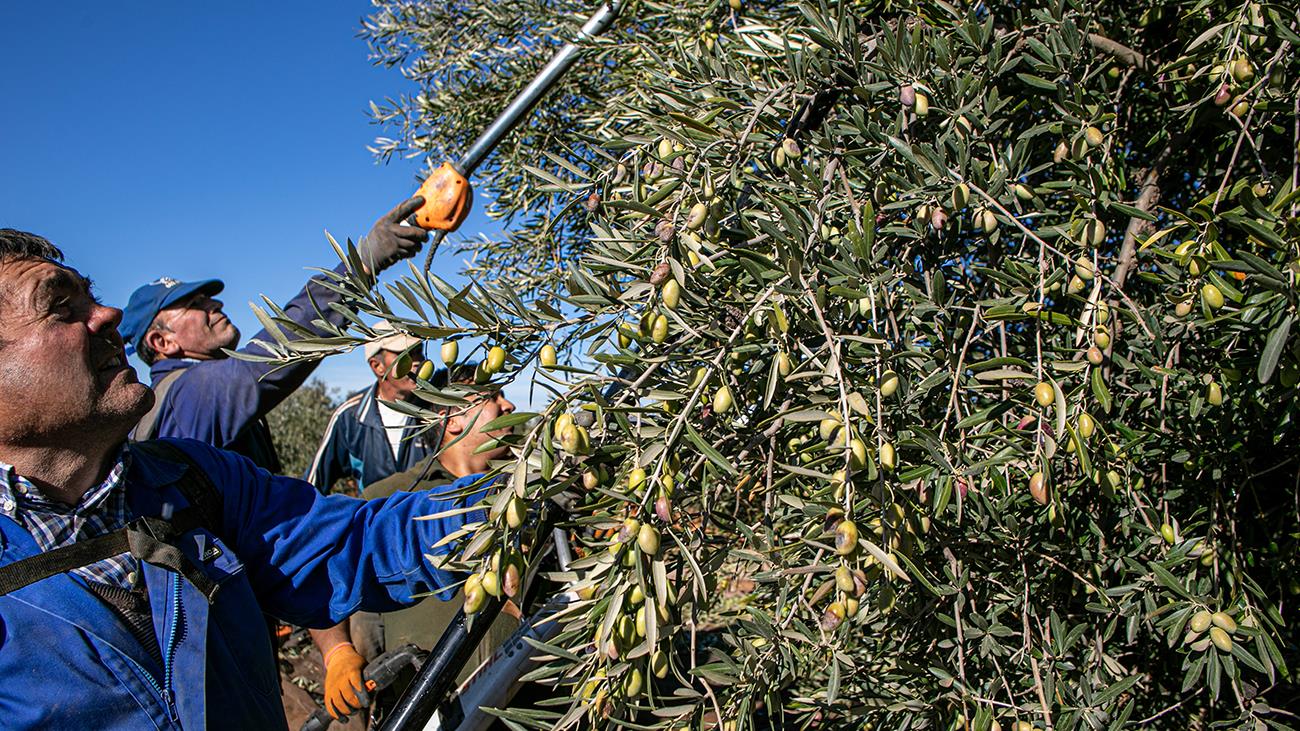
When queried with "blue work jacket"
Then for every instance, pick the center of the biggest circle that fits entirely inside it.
(67, 661)
(223, 402)
(356, 444)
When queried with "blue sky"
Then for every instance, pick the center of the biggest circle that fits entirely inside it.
(197, 140)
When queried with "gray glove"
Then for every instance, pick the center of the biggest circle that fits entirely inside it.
(389, 241)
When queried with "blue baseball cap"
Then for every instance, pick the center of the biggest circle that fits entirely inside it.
(147, 301)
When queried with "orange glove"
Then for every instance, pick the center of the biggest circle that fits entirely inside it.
(344, 687)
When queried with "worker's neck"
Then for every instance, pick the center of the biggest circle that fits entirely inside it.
(458, 464)
(62, 474)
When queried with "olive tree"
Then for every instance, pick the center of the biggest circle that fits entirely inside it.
(920, 365)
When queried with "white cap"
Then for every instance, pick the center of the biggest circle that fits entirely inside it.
(397, 342)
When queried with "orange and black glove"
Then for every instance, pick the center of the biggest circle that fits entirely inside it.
(344, 687)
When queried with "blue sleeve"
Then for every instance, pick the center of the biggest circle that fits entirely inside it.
(214, 400)
(315, 559)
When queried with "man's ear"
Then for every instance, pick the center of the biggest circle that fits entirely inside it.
(377, 366)
(162, 343)
(455, 426)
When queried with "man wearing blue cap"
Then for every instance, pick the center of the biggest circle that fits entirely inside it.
(179, 330)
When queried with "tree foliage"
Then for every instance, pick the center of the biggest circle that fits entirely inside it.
(933, 366)
(298, 424)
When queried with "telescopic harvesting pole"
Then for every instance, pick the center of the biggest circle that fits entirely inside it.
(510, 117)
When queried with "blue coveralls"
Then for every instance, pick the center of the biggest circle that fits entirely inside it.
(68, 662)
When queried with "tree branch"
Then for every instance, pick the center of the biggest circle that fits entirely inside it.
(1118, 50)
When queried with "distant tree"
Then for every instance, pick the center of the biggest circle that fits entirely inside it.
(298, 424)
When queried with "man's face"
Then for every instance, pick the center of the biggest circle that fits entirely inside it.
(394, 388)
(195, 327)
(480, 413)
(64, 378)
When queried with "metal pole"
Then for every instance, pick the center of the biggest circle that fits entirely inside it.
(526, 99)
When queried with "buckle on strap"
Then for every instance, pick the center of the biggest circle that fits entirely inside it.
(153, 541)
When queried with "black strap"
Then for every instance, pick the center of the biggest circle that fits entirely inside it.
(152, 540)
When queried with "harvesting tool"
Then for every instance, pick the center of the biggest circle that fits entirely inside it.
(447, 192)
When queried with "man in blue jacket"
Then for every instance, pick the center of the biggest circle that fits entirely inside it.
(169, 637)
(179, 331)
(366, 439)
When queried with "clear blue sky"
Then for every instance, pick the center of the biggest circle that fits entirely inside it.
(197, 140)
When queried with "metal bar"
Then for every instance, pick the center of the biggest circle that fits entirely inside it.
(525, 100)
(437, 676)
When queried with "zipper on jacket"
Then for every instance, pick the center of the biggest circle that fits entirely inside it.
(169, 652)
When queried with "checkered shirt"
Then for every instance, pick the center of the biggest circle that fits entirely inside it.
(54, 525)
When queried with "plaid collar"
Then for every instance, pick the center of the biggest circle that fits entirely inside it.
(54, 524)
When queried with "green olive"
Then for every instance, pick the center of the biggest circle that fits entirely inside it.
(648, 540)
(1221, 639)
(1200, 621)
(888, 383)
(1093, 136)
(547, 356)
(671, 294)
(1044, 394)
(450, 351)
(426, 371)
(888, 457)
(1211, 296)
(1224, 621)
(722, 400)
(496, 360)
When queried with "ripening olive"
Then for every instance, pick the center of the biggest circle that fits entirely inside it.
(846, 537)
(1038, 488)
(922, 106)
(1093, 136)
(1095, 356)
(426, 371)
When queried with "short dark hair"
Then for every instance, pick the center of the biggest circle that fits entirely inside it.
(15, 244)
